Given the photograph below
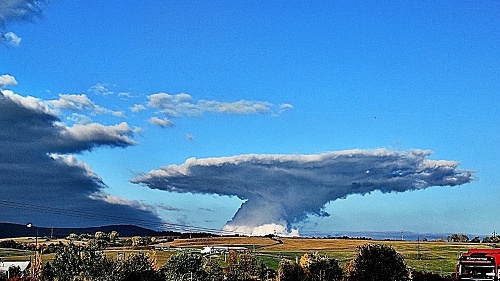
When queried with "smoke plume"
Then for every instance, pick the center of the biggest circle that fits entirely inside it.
(280, 190)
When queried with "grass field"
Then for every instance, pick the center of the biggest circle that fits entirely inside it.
(437, 257)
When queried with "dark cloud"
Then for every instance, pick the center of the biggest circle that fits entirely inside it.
(284, 189)
(20, 10)
(36, 169)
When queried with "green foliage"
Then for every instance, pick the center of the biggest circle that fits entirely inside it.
(491, 239)
(99, 235)
(47, 273)
(458, 238)
(476, 240)
(136, 267)
(184, 266)
(213, 269)
(324, 269)
(113, 236)
(241, 267)
(67, 263)
(376, 262)
(94, 263)
(290, 271)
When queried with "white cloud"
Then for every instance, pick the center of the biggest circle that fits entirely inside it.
(82, 102)
(19, 10)
(101, 89)
(7, 80)
(106, 197)
(164, 123)
(10, 39)
(138, 108)
(116, 135)
(182, 105)
(30, 102)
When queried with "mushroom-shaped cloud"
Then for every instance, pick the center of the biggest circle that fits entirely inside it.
(281, 190)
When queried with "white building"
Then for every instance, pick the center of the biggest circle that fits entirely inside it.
(222, 250)
(5, 265)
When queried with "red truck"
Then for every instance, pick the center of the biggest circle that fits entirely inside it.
(479, 264)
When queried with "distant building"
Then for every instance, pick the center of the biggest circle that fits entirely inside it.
(5, 265)
(222, 250)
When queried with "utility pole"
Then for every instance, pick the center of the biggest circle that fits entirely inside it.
(35, 258)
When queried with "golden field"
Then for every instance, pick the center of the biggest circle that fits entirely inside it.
(437, 257)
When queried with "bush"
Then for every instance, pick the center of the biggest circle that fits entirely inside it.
(376, 262)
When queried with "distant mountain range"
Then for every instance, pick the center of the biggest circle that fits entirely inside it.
(12, 230)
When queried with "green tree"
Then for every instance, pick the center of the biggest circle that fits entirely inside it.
(325, 269)
(491, 239)
(184, 266)
(72, 237)
(113, 236)
(95, 265)
(290, 271)
(67, 262)
(47, 273)
(376, 262)
(241, 267)
(136, 267)
(476, 240)
(458, 238)
(213, 270)
(99, 235)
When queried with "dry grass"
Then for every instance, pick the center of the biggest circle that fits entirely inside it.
(438, 257)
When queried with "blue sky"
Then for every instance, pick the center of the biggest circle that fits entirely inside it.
(310, 78)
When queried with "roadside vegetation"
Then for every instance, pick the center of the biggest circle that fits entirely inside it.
(109, 257)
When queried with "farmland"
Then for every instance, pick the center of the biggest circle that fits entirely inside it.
(437, 257)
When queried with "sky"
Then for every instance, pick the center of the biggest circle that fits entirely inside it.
(301, 118)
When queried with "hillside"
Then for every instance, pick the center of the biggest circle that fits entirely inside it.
(11, 230)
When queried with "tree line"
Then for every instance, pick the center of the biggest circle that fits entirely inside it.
(373, 262)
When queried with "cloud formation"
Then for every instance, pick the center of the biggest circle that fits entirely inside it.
(181, 105)
(81, 102)
(17, 10)
(280, 190)
(20, 10)
(37, 167)
(10, 39)
(7, 80)
(164, 123)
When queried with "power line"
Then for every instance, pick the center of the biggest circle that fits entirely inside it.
(111, 218)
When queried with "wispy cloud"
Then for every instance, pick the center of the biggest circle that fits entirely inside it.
(164, 123)
(101, 89)
(20, 10)
(288, 188)
(10, 39)
(81, 102)
(17, 10)
(182, 105)
(138, 108)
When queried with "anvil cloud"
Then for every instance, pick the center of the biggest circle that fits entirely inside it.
(280, 190)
